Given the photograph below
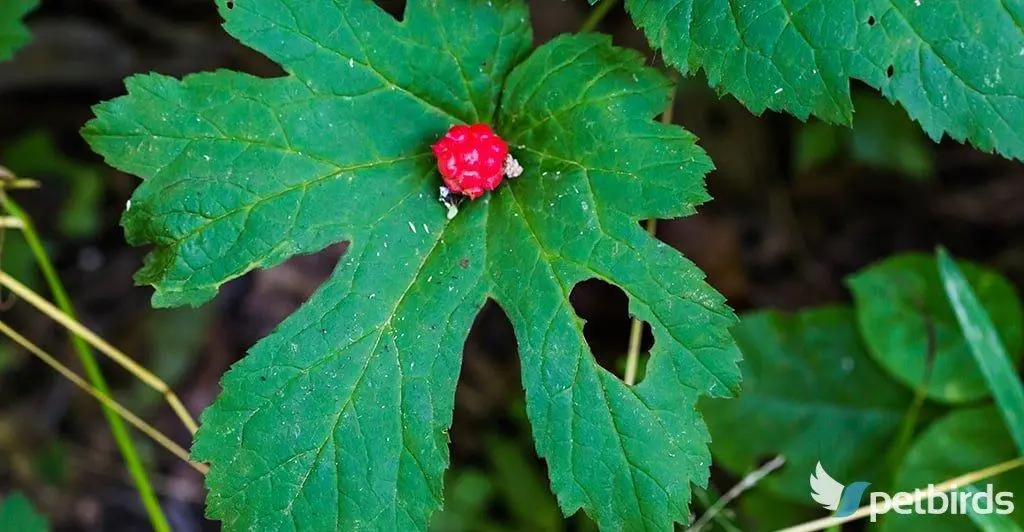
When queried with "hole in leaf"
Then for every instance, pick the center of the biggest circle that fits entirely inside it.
(889, 71)
(490, 376)
(396, 8)
(275, 293)
(644, 223)
(871, 21)
(605, 309)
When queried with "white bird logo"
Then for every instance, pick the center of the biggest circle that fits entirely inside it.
(825, 490)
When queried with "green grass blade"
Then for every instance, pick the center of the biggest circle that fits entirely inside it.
(990, 522)
(984, 344)
(92, 370)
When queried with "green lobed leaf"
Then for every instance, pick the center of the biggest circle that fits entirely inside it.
(339, 419)
(904, 315)
(966, 440)
(983, 341)
(14, 34)
(17, 513)
(811, 393)
(956, 66)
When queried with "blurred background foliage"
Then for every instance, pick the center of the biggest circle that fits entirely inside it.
(799, 207)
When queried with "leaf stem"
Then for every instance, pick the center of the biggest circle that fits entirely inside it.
(909, 423)
(92, 369)
(102, 346)
(597, 15)
(106, 400)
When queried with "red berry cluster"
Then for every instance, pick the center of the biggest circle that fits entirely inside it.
(471, 159)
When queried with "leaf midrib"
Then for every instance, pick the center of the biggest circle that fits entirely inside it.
(383, 328)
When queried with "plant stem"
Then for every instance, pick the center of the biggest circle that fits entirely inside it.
(104, 347)
(909, 424)
(636, 330)
(92, 369)
(106, 400)
(745, 484)
(597, 15)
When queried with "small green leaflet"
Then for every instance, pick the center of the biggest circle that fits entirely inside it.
(13, 34)
(17, 514)
(339, 419)
(912, 331)
(957, 66)
(810, 393)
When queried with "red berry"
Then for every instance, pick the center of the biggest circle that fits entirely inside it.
(471, 159)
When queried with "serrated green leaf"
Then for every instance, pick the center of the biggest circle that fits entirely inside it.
(338, 420)
(968, 439)
(17, 513)
(957, 67)
(811, 394)
(577, 219)
(904, 315)
(13, 33)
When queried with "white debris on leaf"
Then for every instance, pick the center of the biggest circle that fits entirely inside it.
(450, 200)
(512, 168)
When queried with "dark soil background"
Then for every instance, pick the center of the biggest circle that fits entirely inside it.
(774, 236)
